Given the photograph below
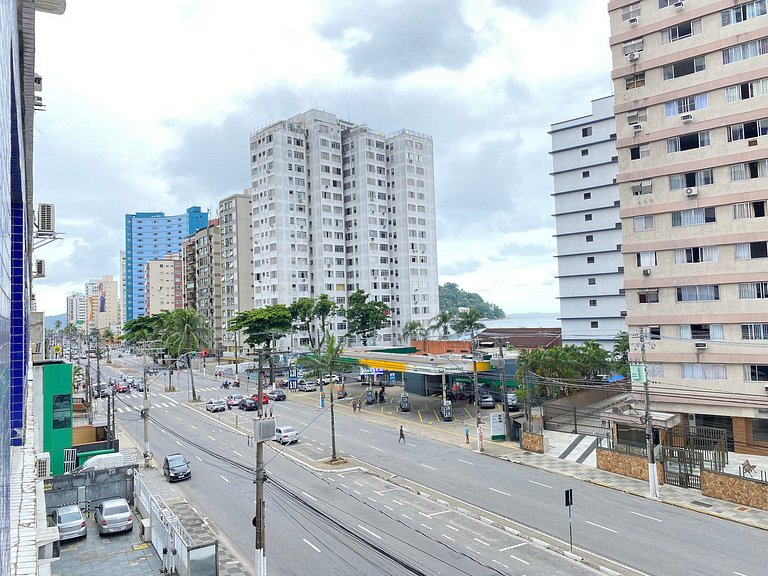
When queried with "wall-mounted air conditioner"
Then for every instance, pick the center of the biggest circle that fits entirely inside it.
(633, 56)
(633, 21)
(39, 269)
(43, 465)
(637, 127)
(46, 220)
(700, 345)
(646, 271)
(692, 191)
(679, 6)
(687, 118)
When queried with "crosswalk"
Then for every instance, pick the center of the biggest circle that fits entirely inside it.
(166, 402)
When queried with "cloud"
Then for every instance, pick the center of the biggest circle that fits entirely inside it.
(460, 267)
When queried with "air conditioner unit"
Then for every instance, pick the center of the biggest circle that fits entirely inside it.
(633, 21)
(646, 271)
(632, 56)
(637, 127)
(766, 387)
(39, 269)
(43, 465)
(692, 191)
(679, 5)
(687, 118)
(46, 220)
(700, 345)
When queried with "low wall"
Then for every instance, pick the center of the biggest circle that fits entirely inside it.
(626, 465)
(89, 488)
(533, 442)
(732, 488)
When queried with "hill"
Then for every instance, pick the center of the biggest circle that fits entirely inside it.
(452, 298)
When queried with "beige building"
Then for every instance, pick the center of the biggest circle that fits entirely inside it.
(236, 261)
(201, 262)
(164, 288)
(691, 88)
(102, 309)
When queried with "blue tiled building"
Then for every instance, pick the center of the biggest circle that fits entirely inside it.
(150, 236)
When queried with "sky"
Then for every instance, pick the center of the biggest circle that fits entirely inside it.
(149, 107)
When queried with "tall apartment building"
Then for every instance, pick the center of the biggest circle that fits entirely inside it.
(76, 310)
(236, 261)
(590, 265)
(339, 207)
(164, 286)
(101, 304)
(150, 236)
(691, 86)
(201, 254)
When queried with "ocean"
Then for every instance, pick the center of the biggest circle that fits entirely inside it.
(528, 320)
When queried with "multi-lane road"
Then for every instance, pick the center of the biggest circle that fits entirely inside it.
(361, 523)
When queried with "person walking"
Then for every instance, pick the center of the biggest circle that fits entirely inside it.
(466, 431)
(402, 434)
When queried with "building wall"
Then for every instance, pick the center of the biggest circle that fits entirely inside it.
(684, 142)
(164, 285)
(207, 284)
(589, 236)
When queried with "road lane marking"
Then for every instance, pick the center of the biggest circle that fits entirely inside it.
(193, 426)
(434, 513)
(364, 430)
(481, 542)
(371, 499)
(465, 462)
(225, 480)
(342, 485)
(358, 483)
(519, 559)
(397, 502)
(177, 418)
(198, 457)
(163, 431)
(452, 528)
(739, 574)
(430, 467)
(309, 496)
(539, 484)
(644, 516)
(448, 537)
(357, 492)
(374, 447)
(501, 564)
(427, 527)
(308, 543)
(212, 438)
(513, 546)
(405, 516)
(369, 532)
(499, 491)
(237, 453)
(177, 442)
(380, 492)
(603, 527)
(389, 508)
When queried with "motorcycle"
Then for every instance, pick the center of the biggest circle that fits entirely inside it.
(225, 385)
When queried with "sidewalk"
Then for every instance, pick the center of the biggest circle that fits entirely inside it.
(423, 421)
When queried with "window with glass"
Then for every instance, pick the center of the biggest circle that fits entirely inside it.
(631, 11)
(749, 210)
(645, 259)
(696, 254)
(759, 430)
(690, 179)
(741, 13)
(635, 81)
(697, 371)
(693, 217)
(751, 250)
(749, 170)
(648, 296)
(685, 105)
(634, 45)
(756, 372)
(637, 116)
(684, 68)
(681, 31)
(641, 151)
(705, 292)
(688, 142)
(702, 332)
(754, 331)
(645, 223)
(62, 411)
(746, 130)
(752, 290)
(745, 51)
(747, 90)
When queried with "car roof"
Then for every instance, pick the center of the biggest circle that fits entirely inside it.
(286, 428)
(115, 501)
(68, 508)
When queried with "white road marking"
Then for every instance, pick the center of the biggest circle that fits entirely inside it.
(177, 418)
(225, 480)
(357, 492)
(163, 431)
(166, 411)
(304, 413)
(430, 467)
(374, 447)
(465, 462)
(369, 532)
(177, 442)
(358, 483)
(519, 559)
(427, 527)
(309, 496)
(448, 537)
(237, 453)
(212, 438)
(198, 457)
(398, 503)
(389, 507)
(603, 527)
(481, 542)
(513, 546)
(501, 564)
(308, 543)
(452, 528)
(364, 430)
(739, 574)
(644, 516)
(434, 513)
(193, 427)
(539, 484)
(499, 491)
(342, 485)
(405, 516)
(318, 448)
(371, 499)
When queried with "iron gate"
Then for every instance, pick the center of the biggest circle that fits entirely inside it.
(682, 467)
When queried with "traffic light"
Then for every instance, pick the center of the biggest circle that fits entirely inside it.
(656, 438)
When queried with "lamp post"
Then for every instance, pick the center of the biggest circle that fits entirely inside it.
(479, 415)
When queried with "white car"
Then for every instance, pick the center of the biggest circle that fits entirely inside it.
(307, 386)
(216, 406)
(286, 434)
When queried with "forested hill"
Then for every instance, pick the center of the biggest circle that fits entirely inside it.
(452, 298)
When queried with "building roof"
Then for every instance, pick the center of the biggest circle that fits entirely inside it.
(528, 338)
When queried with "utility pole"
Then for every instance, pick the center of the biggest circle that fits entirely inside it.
(479, 415)
(653, 479)
(145, 416)
(505, 401)
(528, 414)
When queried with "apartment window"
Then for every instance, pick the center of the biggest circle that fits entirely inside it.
(702, 332)
(746, 90)
(642, 187)
(587, 217)
(590, 259)
(586, 131)
(752, 290)
(637, 116)
(751, 250)
(742, 13)
(690, 179)
(641, 151)
(589, 238)
(756, 372)
(745, 51)
(754, 331)
(681, 31)
(591, 281)
(749, 170)
(635, 45)
(645, 223)
(696, 371)
(635, 81)
(631, 11)
(685, 105)
(593, 302)
(645, 259)
(693, 217)
(749, 210)
(696, 254)
(688, 142)
(587, 195)
(705, 292)
(585, 174)
(683, 68)
(748, 130)
(585, 152)
(654, 370)
(648, 296)
(594, 324)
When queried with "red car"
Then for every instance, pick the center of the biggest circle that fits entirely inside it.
(264, 398)
(121, 387)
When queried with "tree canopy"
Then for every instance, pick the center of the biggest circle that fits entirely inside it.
(467, 321)
(365, 318)
(263, 325)
(452, 298)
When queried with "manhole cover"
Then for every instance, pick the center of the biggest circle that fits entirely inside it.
(742, 509)
(526, 453)
(701, 504)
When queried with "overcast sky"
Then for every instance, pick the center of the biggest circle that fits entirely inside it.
(149, 106)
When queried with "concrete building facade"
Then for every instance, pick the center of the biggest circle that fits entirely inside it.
(102, 307)
(691, 86)
(338, 207)
(76, 310)
(201, 254)
(164, 284)
(590, 265)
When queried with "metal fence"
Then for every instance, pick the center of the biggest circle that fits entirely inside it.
(575, 420)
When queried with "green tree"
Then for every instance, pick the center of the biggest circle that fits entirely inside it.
(365, 318)
(303, 314)
(70, 331)
(413, 330)
(468, 321)
(185, 331)
(324, 307)
(452, 298)
(442, 323)
(144, 328)
(326, 361)
(620, 354)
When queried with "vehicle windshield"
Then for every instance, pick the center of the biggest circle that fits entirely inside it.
(176, 461)
(70, 517)
(115, 509)
(288, 429)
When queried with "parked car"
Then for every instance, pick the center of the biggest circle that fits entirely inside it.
(286, 434)
(264, 398)
(70, 522)
(140, 386)
(113, 516)
(176, 467)
(277, 395)
(234, 399)
(512, 403)
(307, 386)
(248, 404)
(103, 393)
(487, 402)
(216, 405)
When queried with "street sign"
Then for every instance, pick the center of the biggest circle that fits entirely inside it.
(569, 503)
(569, 497)
(392, 377)
(497, 426)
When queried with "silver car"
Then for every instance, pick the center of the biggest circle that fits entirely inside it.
(113, 516)
(286, 434)
(307, 386)
(70, 522)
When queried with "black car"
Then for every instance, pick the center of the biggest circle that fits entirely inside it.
(248, 404)
(277, 395)
(176, 467)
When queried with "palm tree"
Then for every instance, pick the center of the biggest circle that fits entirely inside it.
(184, 331)
(414, 330)
(326, 360)
(442, 323)
(468, 321)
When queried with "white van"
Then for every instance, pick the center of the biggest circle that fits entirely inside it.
(103, 461)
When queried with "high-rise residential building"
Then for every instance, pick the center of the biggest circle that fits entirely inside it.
(76, 310)
(590, 265)
(339, 207)
(102, 310)
(236, 261)
(201, 254)
(164, 284)
(150, 236)
(691, 89)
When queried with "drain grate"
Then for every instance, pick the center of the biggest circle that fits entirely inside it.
(704, 504)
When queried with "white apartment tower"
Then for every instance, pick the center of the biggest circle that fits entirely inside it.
(339, 207)
(691, 88)
(76, 309)
(590, 265)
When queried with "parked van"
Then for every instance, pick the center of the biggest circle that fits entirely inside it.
(103, 461)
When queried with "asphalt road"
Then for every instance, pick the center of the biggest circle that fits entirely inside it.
(648, 536)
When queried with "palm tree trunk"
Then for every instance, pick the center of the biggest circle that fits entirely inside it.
(333, 420)
(191, 376)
